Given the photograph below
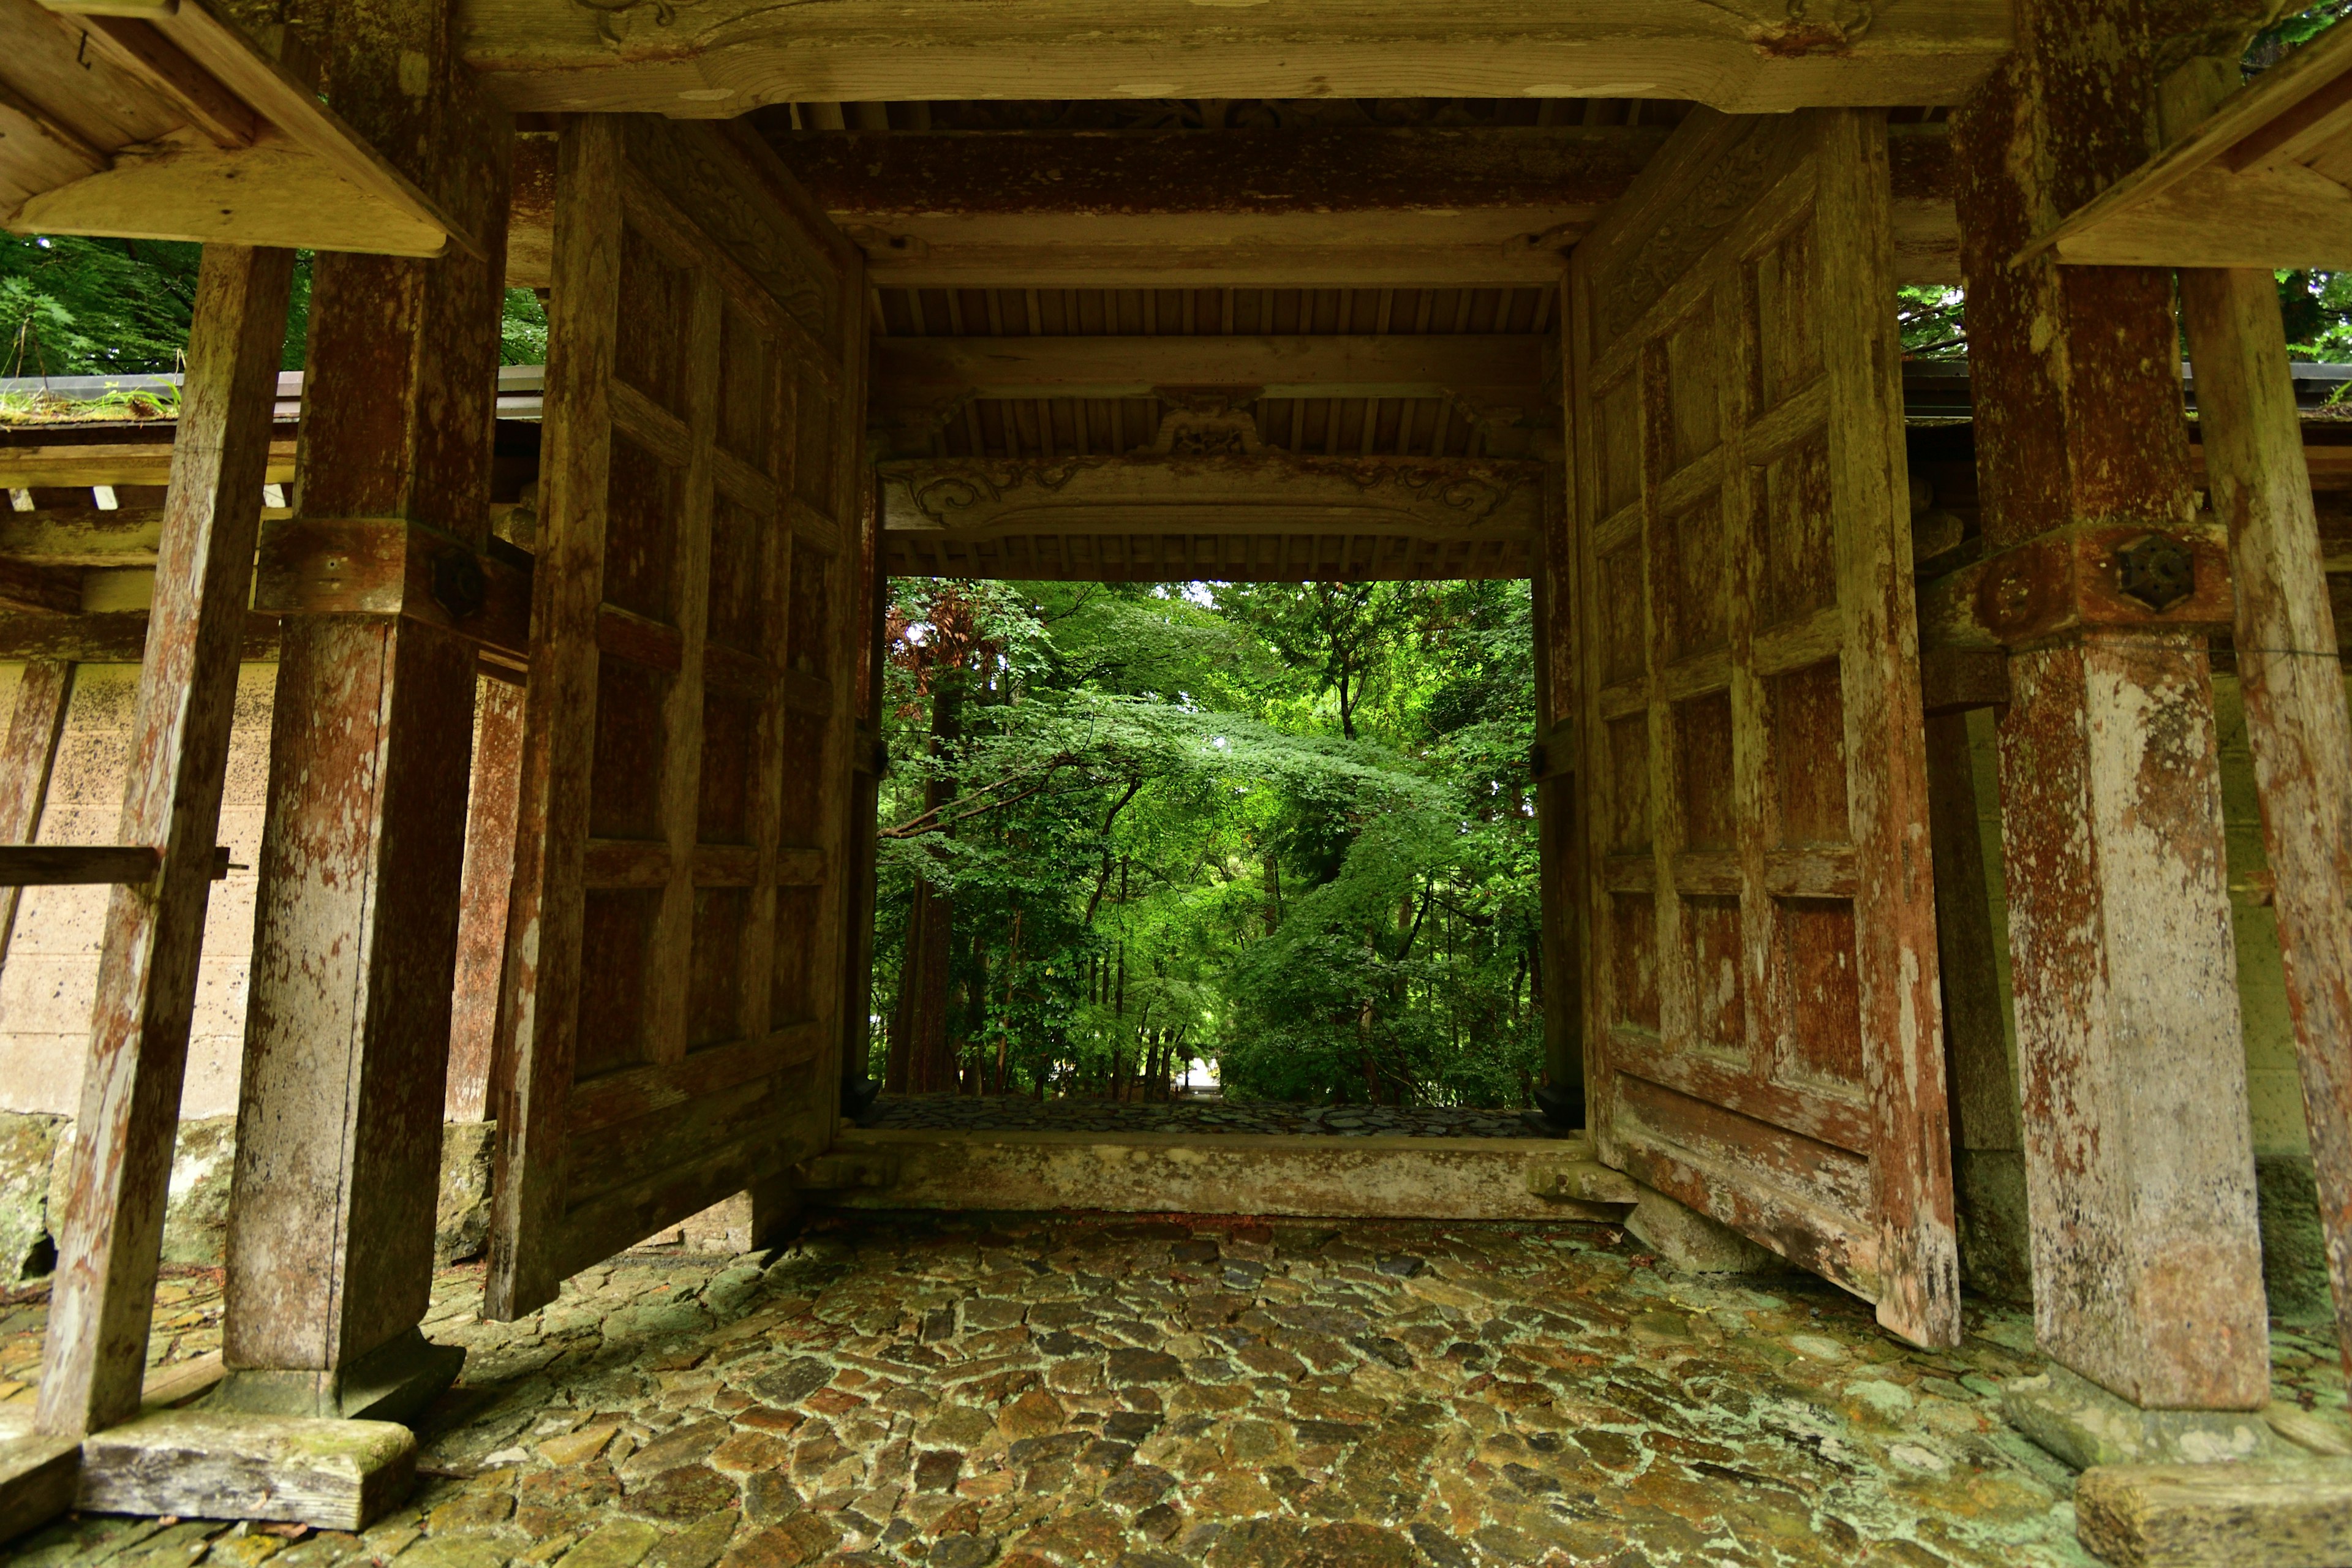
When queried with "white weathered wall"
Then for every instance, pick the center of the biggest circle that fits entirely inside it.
(49, 981)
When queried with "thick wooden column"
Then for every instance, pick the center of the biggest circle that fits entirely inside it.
(103, 1297)
(355, 941)
(2139, 1165)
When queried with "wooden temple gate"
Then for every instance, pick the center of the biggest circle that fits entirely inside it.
(1738, 874)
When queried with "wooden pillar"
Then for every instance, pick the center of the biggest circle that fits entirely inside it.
(1982, 1085)
(2291, 676)
(27, 757)
(1560, 896)
(488, 876)
(2139, 1164)
(107, 1246)
(355, 935)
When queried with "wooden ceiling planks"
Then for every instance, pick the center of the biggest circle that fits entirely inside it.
(2264, 181)
(159, 119)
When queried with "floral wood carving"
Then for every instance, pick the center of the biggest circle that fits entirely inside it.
(610, 12)
(943, 491)
(1803, 26)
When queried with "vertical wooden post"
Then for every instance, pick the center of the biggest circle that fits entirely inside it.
(488, 876)
(355, 932)
(26, 758)
(2140, 1162)
(2293, 682)
(103, 1297)
(1983, 1086)
(1558, 894)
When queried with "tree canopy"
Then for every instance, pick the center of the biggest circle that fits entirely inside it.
(1287, 828)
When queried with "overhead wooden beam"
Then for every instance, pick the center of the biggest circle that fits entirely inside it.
(1435, 171)
(722, 57)
(1487, 368)
(1472, 207)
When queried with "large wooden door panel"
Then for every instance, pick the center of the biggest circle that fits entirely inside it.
(673, 969)
(1765, 1013)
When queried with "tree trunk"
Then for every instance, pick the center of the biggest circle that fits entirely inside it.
(920, 1061)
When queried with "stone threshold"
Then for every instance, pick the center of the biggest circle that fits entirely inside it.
(1305, 1175)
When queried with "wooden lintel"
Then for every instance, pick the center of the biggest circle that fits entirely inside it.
(54, 590)
(379, 567)
(878, 178)
(1492, 368)
(2076, 578)
(722, 58)
(1427, 207)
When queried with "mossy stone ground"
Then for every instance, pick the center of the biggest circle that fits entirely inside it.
(1031, 1392)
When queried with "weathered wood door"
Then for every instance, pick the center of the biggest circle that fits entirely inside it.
(1761, 915)
(673, 963)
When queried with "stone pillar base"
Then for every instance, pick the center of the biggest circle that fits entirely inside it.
(2084, 1425)
(1694, 1242)
(394, 1381)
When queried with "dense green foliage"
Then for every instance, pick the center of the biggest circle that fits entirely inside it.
(1168, 845)
(76, 306)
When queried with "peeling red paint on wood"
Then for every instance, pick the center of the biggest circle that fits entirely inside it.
(1765, 1008)
(2148, 1271)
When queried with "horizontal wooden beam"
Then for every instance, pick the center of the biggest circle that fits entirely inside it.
(881, 176)
(333, 567)
(87, 865)
(114, 636)
(1440, 207)
(1306, 1176)
(139, 459)
(722, 57)
(1490, 369)
(2102, 576)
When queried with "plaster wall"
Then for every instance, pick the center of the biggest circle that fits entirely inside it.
(49, 982)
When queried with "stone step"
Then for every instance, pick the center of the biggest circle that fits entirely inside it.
(1307, 1176)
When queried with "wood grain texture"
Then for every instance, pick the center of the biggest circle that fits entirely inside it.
(1765, 1004)
(721, 59)
(102, 1299)
(2138, 1164)
(2292, 679)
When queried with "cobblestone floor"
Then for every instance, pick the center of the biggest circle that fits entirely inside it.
(1047, 1391)
(1020, 1113)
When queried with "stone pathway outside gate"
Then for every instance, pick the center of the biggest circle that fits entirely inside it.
(1044, 1391)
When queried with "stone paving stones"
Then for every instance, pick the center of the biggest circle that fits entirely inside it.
(1053, 1392)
